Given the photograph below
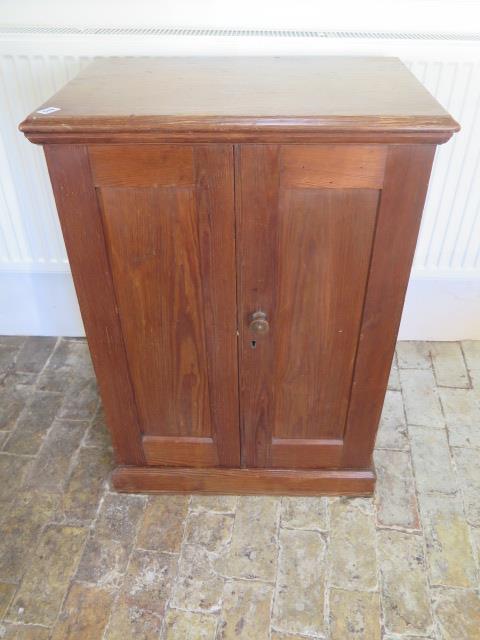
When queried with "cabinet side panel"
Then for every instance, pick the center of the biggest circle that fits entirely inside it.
(84, 238)
(406, 180)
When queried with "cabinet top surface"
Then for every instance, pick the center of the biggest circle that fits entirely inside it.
(133, 95)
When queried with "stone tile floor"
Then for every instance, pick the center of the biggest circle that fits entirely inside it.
(79, 561)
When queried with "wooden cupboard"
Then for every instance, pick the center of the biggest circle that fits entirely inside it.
(240, 233)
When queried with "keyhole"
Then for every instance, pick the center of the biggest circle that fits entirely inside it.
(253, 344)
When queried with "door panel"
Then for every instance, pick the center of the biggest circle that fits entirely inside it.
(169, 224)
(155, 258)
(304, 255)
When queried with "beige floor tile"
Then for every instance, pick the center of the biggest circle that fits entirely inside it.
(392, 432)
(389, 636)
(304, 513)
(13, 470)
(432, 461)
(351, 552)
(23, 632)
(189, 626)
(354, 615)
(279, 635)
(103, 562)
(461, 407)
(449, 364)
(15, 390)
(50, 469)
(254, 546)
(422, 405)
(449, 550)
(84, 614)
(85, 485)
(149, 579)
(468, 468)
(475, 378)
(198, 586)
(119, 516)
(299, 594)
(69, 357)
(393, 379)
(98, 434)
(132, 622)
(471, 349)
(403, 582)
(21, 526)
(39, 597)
(220, 504)
(33, 423)
(163, 523)
(6, 594)
(81, 399)
(210, 530)
(35, 352)
(458, 614)
(413, 355)
(475, 538)
(396, 503)
(246, 611)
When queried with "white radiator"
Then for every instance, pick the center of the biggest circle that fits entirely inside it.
(36, 295)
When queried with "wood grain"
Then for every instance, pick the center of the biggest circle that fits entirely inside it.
(85, 241)
(303, 259)
(159, 165)
(153, 242)
(239, 96)
(400, 212)
(176, 237)
(304, 453)
(258, 169)
(244, 481)
(333, 166)
(172, 258)
(180, 452)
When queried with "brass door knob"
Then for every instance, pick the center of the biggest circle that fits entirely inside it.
(259, 322)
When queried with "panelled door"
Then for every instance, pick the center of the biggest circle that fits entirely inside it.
(306, 226)
(225, 299)
(168, 221)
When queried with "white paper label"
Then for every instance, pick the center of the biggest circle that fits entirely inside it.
(48, 110)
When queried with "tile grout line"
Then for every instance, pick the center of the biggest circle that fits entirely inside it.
(127, 565)
(278, 526)
(33, 457)
(326, 590)
(420, 521)
(31, 394)
(163, 629)
(461, 496)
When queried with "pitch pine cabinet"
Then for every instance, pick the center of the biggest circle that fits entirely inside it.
(240, 233)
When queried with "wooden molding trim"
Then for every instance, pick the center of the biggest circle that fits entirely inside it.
(244, 481)
(178, 451)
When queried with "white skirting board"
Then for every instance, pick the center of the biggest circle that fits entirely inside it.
(45, 304)
(441, 308)
(39, 304)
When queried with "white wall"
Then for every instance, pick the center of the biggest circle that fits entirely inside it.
(349, 15)
(36, 294)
